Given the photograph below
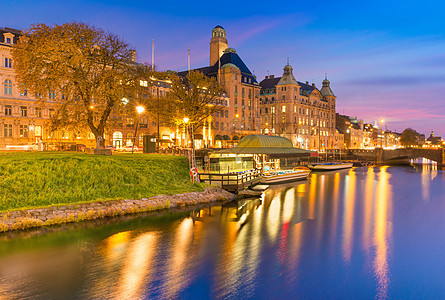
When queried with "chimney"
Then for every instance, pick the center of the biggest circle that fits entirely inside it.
(271, 76)
(267, 77)
(313, 84)
(133, 55)
(307, 82)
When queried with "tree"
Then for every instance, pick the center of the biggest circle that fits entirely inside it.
(409, 138)
(84, 71)
(195, 97)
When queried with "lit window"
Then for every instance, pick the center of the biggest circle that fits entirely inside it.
(51, 112)
(283, 108)
(24, 131)
(38, 112)
(143, 83)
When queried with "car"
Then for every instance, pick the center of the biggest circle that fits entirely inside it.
(130, 148)
(110, 147)
(30, 147)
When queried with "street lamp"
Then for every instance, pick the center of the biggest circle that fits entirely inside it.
(140, 109)
(381, 131)
(185, 119)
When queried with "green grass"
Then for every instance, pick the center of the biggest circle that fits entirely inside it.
(37, 179)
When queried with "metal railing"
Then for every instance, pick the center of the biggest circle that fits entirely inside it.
(231, 181)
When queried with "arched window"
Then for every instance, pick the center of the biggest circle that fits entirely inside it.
(8, 87)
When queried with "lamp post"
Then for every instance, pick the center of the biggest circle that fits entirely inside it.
(140, 110)
(381, 132)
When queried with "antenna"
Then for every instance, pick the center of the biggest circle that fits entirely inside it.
(188, 58)
(152, 54)
(288, 60)
(325, 76)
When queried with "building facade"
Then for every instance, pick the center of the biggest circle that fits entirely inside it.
(298, 111)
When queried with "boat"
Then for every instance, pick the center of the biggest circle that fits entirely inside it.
(282, 176)
(330, 166)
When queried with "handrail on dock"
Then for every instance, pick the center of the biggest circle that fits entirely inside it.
(232, 182)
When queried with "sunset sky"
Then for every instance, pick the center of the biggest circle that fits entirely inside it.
(384, 59)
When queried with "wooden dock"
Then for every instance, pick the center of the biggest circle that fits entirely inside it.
(232, 182)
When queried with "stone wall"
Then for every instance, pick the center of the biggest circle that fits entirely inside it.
(22, 219)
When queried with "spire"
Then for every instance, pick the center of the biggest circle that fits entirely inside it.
(288, 76)
(326, 89)
(288, 60)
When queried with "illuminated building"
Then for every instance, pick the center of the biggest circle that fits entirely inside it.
(240, 115)
(298, 111)
(23, 120)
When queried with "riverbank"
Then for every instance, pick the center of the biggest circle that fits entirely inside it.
(30, 218)
(40, 179)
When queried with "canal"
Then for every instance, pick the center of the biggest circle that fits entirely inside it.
(365, 233)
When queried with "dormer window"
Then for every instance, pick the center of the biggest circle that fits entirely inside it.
(8, 37)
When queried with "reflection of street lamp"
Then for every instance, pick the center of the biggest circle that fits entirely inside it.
(139, 109)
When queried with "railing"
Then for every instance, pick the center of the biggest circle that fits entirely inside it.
(231, 181)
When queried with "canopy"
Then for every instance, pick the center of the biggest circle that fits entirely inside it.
(275, 146)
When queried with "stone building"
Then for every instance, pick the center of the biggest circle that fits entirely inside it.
(352, 128)
(23, 120)
(298, 111)
(240, 115)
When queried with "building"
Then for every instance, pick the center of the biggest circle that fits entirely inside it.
(352, 128)
(240, 115)
(298, 111)
(24, 120)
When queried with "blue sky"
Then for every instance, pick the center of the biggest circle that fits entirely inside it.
(383, 58)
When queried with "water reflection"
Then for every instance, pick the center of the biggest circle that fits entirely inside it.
(330, 236)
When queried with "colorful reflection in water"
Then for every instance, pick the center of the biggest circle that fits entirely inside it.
(360, 233)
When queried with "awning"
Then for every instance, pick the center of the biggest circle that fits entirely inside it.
(235, 138)
(226, 138)
(274, 146)
(219, 137)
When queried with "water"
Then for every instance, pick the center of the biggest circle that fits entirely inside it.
(362, 233)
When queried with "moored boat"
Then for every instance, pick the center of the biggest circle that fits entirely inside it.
(330, 166)
(282, 176)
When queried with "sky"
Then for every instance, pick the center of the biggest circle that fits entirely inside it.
(384, 59)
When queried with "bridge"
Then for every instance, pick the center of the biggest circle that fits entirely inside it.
(382, 156)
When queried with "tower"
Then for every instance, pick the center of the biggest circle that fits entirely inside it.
(218, 43)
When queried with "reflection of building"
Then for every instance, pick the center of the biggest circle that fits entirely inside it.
(298, 111)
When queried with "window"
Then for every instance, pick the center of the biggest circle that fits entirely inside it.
(242, 93)
(143, 83)
(24, 131)
(8, 130)
(272, 109)
(8, 41)
(8, 87)
(284, 120)
(250, 94)
(23, 111)
(227, 113)
(51, 112)
(8, 62)
(38, 112)
(236, 90)
(283, 108)
(8, 110)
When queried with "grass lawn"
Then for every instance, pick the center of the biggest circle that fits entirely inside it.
(37, 179)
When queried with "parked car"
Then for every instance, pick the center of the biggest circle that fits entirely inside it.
(30, 147)
(110, 147)
(130, 148)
